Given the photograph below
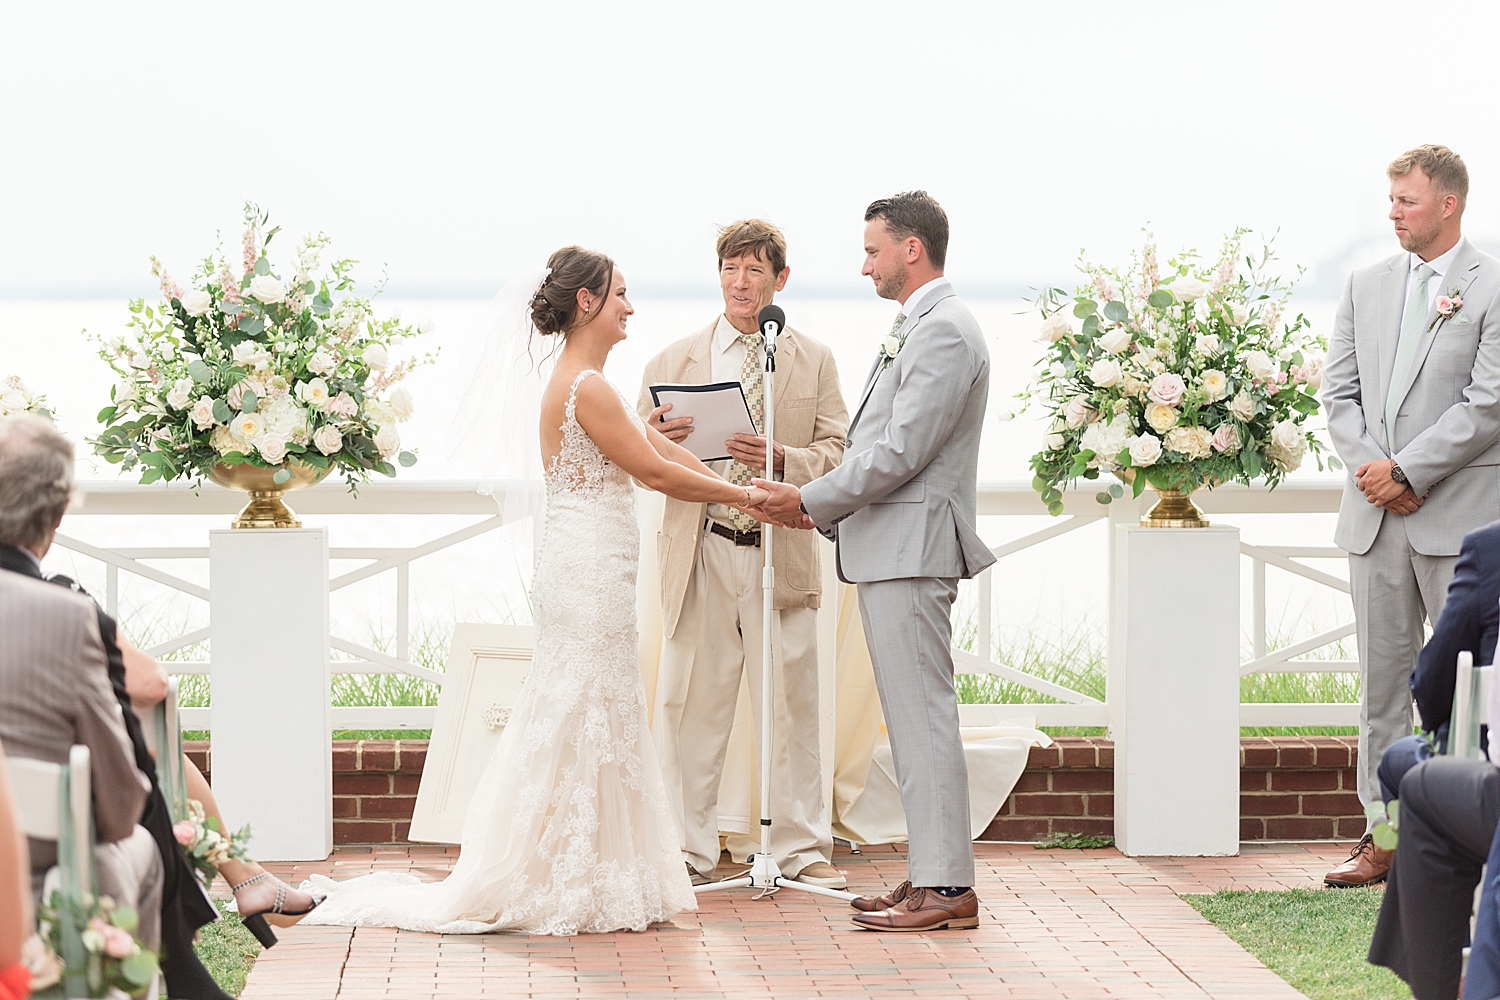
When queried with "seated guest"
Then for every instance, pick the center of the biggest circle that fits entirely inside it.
(54, 693)
(1449, 811)
(1470, 621)
(15, 893)
(1482, 981)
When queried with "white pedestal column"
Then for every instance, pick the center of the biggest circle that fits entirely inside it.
(1174, 692)
(272, 755)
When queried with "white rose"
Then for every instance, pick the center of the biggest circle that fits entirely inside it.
(388, 440)
(1056, 369)
(1144, 450)
(1242, 406)
(1106, 441)
(314, 393)
(1287, 435)
(1078, 411)
(203, 413)
(1287, 446)
(426, 326)
(1207, 344)
(1311, 371)
(139, 360)
(328, 439)
(322, 363)
(267, 288)
(1189, 289)
(180, 394)
(1238, 314)
(1116, 340)
(1134, 387)
(1260, 364)
(402, 403)
(249, 354)
(13, 400)
(1104, 373)
(1215, 384)
(272, 449)
(1161, 418)
(1055, 328)
(247, 426)
(1053, 441)
(197, 302)
(376, 357)
(378, 412)
(889, 347)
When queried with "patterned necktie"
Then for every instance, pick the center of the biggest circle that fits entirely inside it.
(1413, 324)
(753, 381)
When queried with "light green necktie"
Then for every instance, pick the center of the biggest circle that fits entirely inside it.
(1412, 326)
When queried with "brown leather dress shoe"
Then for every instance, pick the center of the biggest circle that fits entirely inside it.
(1367, 865)
(869, 904)
(924, 910)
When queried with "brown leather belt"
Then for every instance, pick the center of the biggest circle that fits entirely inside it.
(737, 537)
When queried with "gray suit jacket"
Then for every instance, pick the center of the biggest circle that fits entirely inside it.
(1447, 433)
(903, 502)
(55, 692)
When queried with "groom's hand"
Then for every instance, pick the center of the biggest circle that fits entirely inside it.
(784, 505)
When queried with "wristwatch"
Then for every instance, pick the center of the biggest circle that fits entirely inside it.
(1397, 475)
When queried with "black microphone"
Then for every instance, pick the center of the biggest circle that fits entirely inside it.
(772, 322)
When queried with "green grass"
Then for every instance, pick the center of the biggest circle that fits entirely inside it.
(227, 950)
(1315, 939)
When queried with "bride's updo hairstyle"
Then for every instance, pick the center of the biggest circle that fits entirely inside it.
(554, 308)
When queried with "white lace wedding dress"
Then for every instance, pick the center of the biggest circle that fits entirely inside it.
(568, 831)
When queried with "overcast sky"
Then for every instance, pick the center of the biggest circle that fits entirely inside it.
(459, 143)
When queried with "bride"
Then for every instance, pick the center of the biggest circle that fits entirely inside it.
(568, 830)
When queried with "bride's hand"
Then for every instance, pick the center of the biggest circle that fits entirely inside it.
(754, 497)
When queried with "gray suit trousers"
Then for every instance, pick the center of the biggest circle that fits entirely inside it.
(1394, 588)
(909, 629)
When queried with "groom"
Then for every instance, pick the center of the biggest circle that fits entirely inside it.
(901, 508)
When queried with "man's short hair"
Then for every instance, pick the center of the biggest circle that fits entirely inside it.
(915, 213)
(36, 479)
(1443, 167)
(753, 236)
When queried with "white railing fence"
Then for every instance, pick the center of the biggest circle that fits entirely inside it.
(418, 499)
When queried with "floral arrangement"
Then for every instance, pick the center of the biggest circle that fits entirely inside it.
(257, 369)
(16, 398)
(1180, 377)
(112, 961)
(206, 845)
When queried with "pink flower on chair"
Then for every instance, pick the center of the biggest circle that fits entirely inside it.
(183, 831)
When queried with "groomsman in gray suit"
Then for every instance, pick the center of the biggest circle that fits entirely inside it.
(1412, 390)
(901, 508)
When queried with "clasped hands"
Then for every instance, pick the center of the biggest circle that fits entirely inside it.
(1375, 482)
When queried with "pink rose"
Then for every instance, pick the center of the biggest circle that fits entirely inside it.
(343, 405)
(1167, 389)
(1444, 305)
(184, 832)
(1226, 438)
(118, 943)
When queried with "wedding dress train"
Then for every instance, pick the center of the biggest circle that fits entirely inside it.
(568, 831)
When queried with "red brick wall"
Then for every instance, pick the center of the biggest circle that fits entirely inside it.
(1290, 789)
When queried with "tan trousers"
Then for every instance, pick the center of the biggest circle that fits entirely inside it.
(718, 636)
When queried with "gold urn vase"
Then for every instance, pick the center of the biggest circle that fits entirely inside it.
(266, 509)
(1174, 509)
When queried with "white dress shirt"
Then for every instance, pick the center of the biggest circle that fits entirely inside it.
(915, 298)
(1440, 267)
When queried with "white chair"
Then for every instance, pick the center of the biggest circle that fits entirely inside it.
(163, 732)
(1471, 697)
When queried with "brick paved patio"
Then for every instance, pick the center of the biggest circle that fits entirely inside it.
(1055, 924)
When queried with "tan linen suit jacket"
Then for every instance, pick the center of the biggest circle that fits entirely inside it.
(811, 421)
(55, 692)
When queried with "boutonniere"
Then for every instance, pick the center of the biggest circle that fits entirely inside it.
(1448, 306)
(889, 348)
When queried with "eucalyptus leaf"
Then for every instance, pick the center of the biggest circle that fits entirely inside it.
(1103, 497)
(253, 327)
(1085, 308)
(1116, 490)
(1393, 809)
(201, 373)
(1375, 810)
(1385, 837)
(222, 413)
(139, 968)
(407, 459)
(1160, 299)
(231, 308)
(1115, 311)
(248, 401)
(282, 475)
(1091, 326)
(386, 469)
(1055, 508)
(263, 266)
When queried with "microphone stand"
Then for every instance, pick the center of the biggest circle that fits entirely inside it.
(764, 874)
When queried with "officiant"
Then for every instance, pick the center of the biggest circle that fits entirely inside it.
(710, 561)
